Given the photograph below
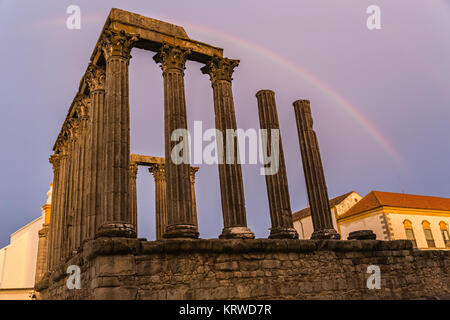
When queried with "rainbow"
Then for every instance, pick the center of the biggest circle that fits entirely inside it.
(289, 65)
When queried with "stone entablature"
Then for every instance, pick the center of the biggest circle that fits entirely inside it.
(118, 268)
(150, 34)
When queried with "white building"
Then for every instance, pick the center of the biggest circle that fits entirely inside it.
(18, 259)
(424, 220)
(339, 205)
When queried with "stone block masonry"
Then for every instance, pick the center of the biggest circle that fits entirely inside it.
(120, 268)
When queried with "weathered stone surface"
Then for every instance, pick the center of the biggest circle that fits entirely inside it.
(276, 182)
(180, 221)
(115, 265)
(314, 176)
(122, 268)
(133, 195)
(159, 174)
(152, 33)
(220, 71)
(115, 215)
(362, 235)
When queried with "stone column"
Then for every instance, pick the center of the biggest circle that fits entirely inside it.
(84, 112)
(314, 176)
(194, 201)
(60, 198)
(43, 234)
(180, 222)
(276, 182)
(53, 226)
(41, 259)
(68, 213)
(133, 195)
(115, 212)
(80, 216)
(220, 71)
(159, 173)
(95, 79)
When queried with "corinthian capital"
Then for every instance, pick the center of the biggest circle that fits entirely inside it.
(61, 142)
(193, 172)
(158, 171)
(74, 129)
(172, 57)
(82, 106)
(95, 77)
(54, 160)
(133, 170)
(220, 68)
(117, 43)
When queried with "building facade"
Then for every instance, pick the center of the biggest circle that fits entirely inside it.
(23, 260)
(424, 220)
(339, 205)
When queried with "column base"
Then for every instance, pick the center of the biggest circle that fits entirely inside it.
(116, 229)
(237, 233)
(287, 233)
(181, 231)
(326, 234)
(362, 235)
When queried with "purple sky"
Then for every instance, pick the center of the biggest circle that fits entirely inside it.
(397, 78)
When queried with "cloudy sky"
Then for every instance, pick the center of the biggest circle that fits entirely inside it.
(380, 98)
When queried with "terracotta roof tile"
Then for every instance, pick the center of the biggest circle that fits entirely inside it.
(376, 199)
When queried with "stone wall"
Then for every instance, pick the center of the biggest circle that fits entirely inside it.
(250, 269)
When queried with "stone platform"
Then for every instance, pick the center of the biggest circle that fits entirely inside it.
(119, 268)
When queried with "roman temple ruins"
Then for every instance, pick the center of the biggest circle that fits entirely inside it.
(93, 223)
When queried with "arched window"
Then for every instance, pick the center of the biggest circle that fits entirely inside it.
(409, 232)
(428, 234)
(444, 232)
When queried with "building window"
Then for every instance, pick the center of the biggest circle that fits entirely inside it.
(444, 232)
(428, 234)
(409, 232)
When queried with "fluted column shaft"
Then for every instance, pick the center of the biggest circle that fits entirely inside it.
(314, 176)
(75, 212)
(158, 171)
(180, 223)
(84, 174)
(159, 175)
(133, 195)
(96, 82)
(194, 200)
(52, 236)
(60, 205)
(115, 211)
(79, 216)
(70, 196)
(276, 182)
(220, 71)
(42, 253)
